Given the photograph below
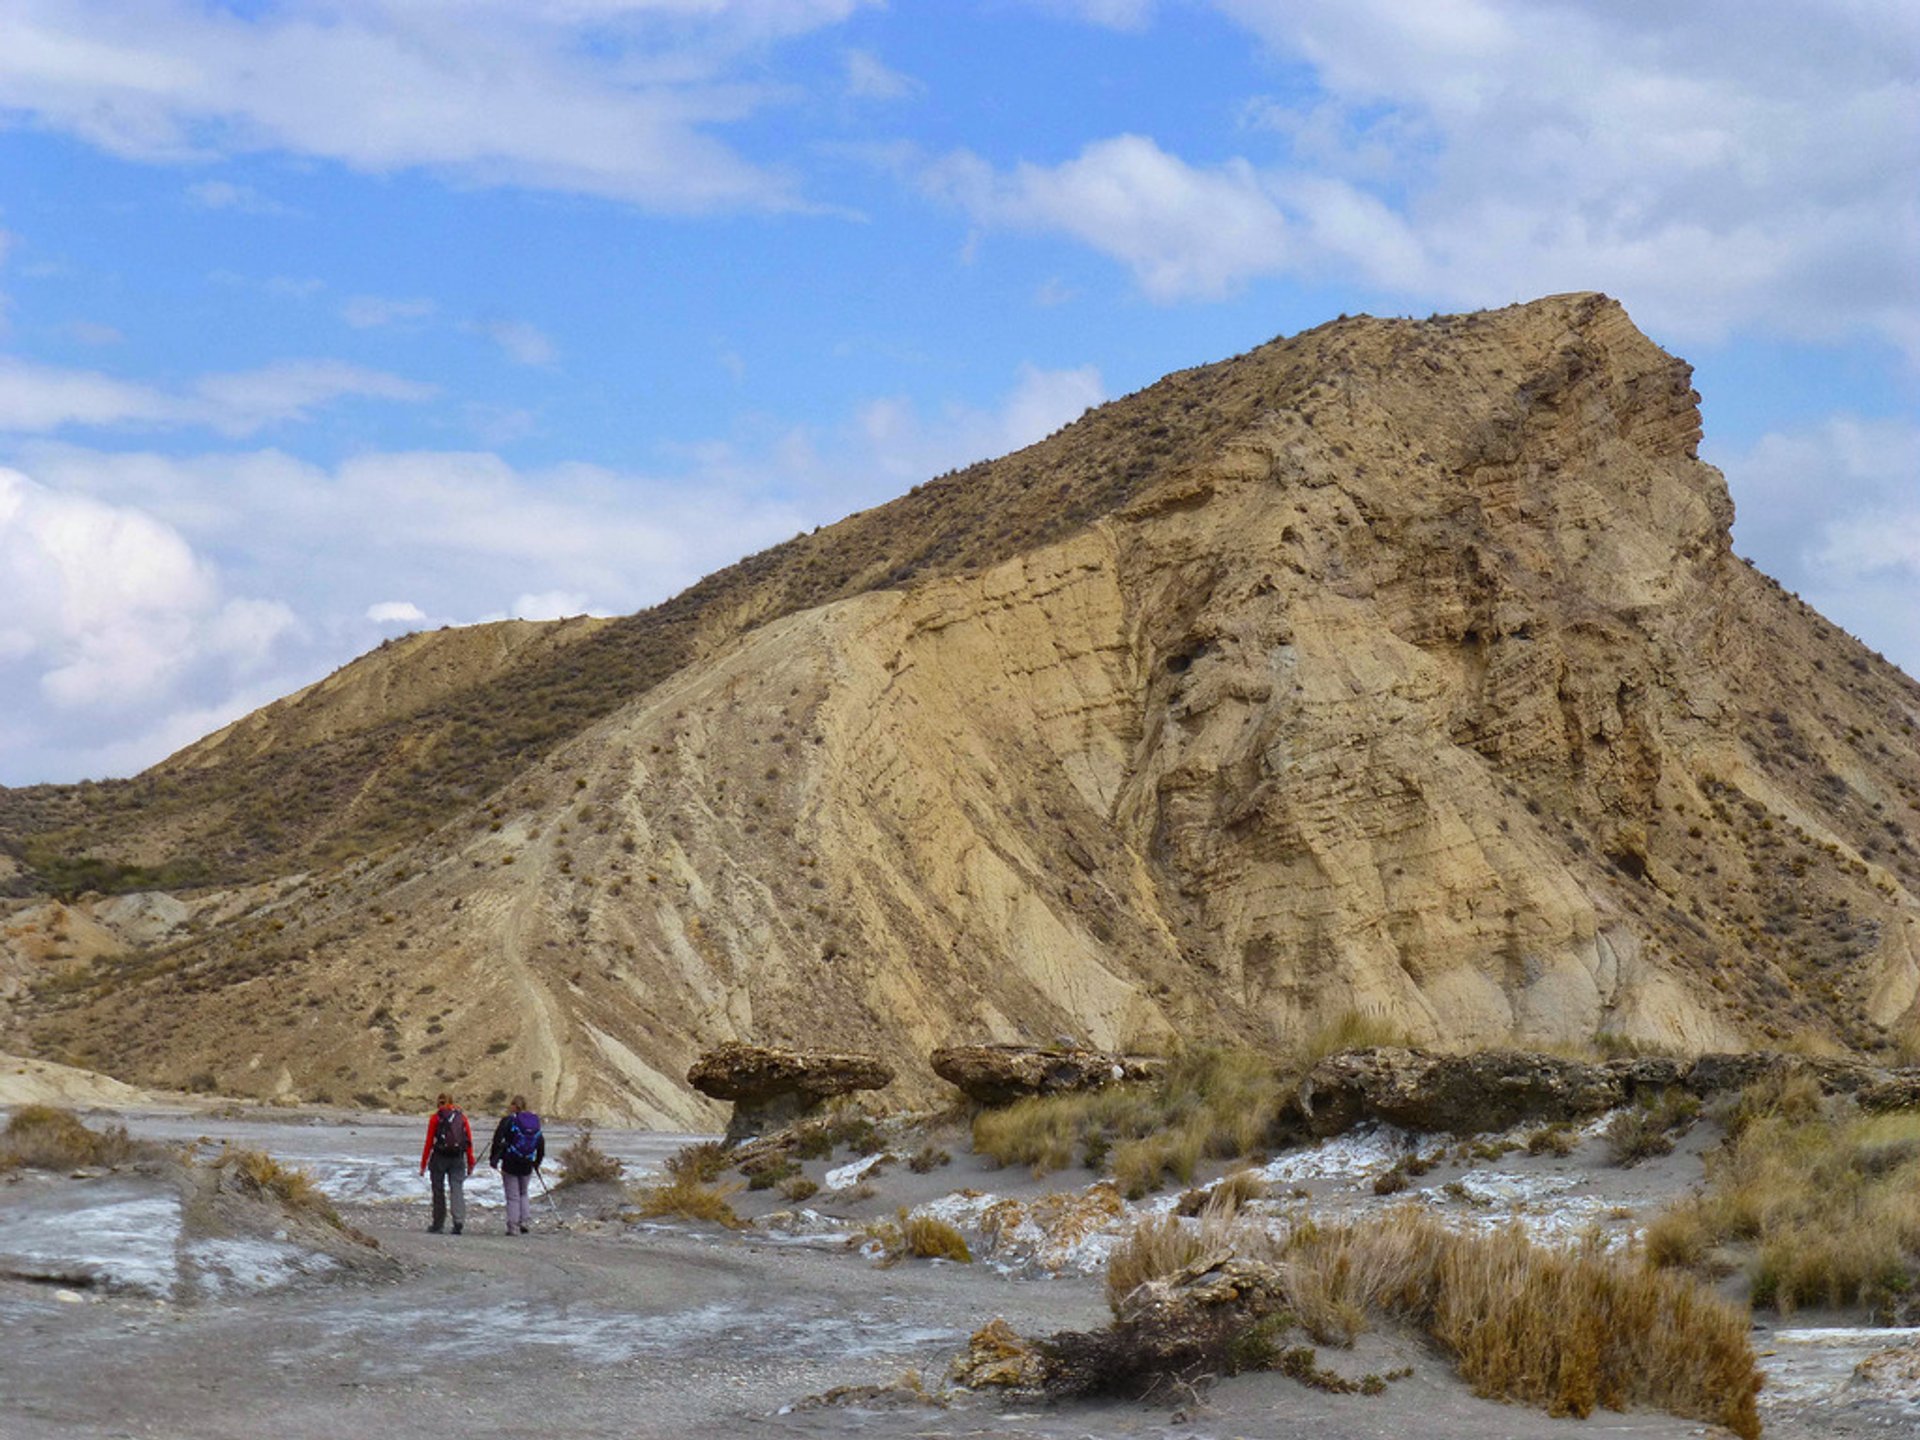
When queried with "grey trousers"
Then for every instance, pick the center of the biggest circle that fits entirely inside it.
(516, 1188)
(449, 1172)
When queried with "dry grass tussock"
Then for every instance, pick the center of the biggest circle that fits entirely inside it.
(1820, 1203)
(44, 1137)
(1209, 1103)
(1352, 1030)
(1569, 1330)
(683, 1197)
(258, 1173)
(585, 1163)
(923, 1237)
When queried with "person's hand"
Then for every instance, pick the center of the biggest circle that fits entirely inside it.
(423, 1169)
(469, 1172)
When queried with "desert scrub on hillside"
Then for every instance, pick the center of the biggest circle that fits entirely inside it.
(1819, 1204)
(1207, 1103)
(585, 1163)
(1570, 1330)
(45, 1137)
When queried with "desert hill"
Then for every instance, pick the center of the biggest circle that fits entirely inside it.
(1400, 668)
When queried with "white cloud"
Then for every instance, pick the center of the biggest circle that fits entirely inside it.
(247, 400)
(226, 195)
(1832, 511)
(523, 343)
(371, 312)
(110, 608)
(159, 544)
(36, 398)
(396, 612)
(1717, 165)
(549, 605)
(612, 99)
(1185, 232)
(868, 78)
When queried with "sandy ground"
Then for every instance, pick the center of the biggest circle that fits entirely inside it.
(591, 1327)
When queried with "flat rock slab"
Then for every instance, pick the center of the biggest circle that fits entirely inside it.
(1002, 1074)
(770, 1088)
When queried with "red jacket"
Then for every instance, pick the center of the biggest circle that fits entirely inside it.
(442, 1117)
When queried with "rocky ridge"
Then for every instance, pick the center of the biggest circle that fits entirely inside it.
(1400, 668)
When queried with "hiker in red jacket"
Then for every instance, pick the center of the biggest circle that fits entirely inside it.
(449, 1153)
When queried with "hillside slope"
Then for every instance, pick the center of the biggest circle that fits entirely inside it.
(1398, 667)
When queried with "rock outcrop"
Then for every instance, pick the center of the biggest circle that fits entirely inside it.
(1498, 1089)
(772, 1088)
(1002, 1074)
(1396, 668)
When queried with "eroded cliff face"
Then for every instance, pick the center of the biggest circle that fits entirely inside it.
(1432, 691)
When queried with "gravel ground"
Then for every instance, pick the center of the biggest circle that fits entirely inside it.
(591, 1329)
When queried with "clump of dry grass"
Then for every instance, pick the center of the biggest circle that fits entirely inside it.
(1570, 1330)
(1351, 1030)
(924, 1237)
(1822, 1202)
(1209, 1102)
(585, 1163)
(684, 1198)
(702, 1163)
(1647, 1130)
(44, 1137)
(260, 1174)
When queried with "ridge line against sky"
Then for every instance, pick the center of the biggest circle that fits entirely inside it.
(322, 320)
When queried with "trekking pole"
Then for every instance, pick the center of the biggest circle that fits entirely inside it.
(546, 1192)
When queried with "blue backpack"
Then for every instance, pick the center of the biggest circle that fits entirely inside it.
(523, 1137)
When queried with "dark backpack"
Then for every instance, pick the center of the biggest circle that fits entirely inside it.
(523, 1137)
(450, 1136)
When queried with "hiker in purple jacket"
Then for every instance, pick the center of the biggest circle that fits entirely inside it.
(517, 1151)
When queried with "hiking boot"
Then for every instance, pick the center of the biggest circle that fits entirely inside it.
(433, 1229)
(458, 1227)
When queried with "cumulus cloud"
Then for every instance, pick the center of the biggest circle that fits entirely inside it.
(256, 571)
(37, 398)
(396, 612)
(1832, 511)
(1718, 165)
(111, 614)
(616, 98)
(1184, 231)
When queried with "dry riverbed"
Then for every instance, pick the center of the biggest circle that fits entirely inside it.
(125, 1316)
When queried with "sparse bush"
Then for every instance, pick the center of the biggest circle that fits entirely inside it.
(1647, 1130)
(260, 1174)
(1824, 1202)
(1558, 1138)
(796, 1188)
(585, 1163)
(769, 1171)
(1570, 1330)
(930, 1238)
(927, 1158)
(1352, 1030)
(45, 1137)
(1207, 1103)
(702, 1163)
(687, 1199)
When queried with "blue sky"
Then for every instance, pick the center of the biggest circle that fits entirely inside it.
(325, 320)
